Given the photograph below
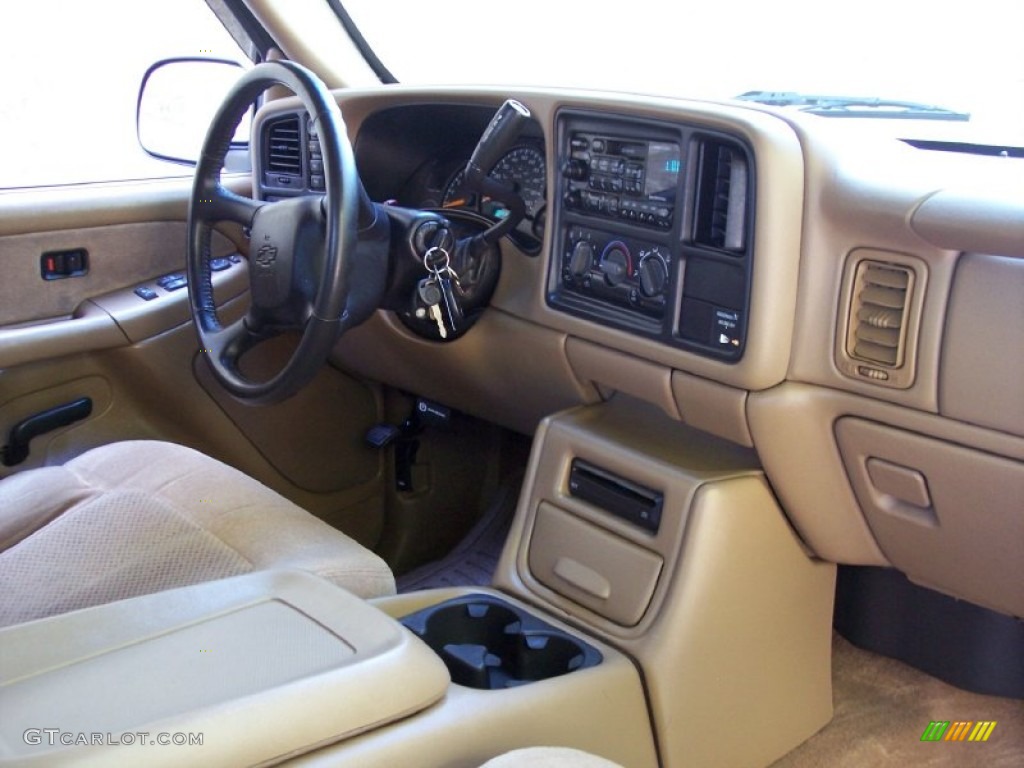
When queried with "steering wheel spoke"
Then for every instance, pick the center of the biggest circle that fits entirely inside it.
(220, 204)
(226, 344)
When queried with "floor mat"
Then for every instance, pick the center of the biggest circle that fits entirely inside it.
(472, 562)
(882, 708)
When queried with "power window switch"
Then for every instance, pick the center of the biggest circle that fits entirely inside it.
(144, 293)
(166, 280)
(74, 261)
(218, 265)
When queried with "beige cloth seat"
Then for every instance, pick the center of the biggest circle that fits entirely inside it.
(139, 517)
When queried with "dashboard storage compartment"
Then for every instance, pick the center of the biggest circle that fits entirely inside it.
(593, 567)
(489, 644)
(946, 515)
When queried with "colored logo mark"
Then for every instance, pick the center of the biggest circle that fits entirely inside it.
(958, 730)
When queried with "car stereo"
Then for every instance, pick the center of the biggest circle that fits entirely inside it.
(623, 178)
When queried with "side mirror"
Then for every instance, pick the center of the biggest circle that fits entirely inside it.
(177, 101)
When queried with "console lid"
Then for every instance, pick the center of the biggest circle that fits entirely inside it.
(262, 667)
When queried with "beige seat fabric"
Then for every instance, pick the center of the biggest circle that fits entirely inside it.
(138, 517)
(549, 757)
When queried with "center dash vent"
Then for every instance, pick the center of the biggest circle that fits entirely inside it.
(284, 146)
(721, 196)
(880, 330)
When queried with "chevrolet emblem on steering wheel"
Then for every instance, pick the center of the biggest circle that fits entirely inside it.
(266, 256)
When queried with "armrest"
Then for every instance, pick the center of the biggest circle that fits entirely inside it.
(262, 666)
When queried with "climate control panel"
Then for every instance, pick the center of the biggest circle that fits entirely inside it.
(624, 271)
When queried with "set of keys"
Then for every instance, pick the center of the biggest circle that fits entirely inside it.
(437, 293)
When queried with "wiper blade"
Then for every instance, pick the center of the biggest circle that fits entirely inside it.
(854, 106)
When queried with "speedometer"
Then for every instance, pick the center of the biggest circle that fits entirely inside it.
(525, 170)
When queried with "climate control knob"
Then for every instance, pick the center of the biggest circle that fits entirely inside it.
(616, 263)
(653, 274)
(581, 259)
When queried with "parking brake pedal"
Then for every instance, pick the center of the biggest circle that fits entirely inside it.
(380, 436)
(425, 413)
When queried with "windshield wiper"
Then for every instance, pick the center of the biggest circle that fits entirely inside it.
(854, 106)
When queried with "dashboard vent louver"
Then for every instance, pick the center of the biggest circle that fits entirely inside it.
(284, 146)
(877, 331)
(722, 196)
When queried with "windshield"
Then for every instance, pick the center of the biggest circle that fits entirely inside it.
(965, 58)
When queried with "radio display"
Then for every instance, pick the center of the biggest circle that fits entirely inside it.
(662, 172)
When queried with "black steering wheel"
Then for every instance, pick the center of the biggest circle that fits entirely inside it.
(301, 260)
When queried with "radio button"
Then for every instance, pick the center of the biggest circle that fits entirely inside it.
(575, 169)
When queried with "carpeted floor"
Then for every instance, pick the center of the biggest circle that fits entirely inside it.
(882, 708)
(473, 561)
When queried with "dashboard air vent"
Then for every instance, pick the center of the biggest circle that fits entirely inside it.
(284, 146)
(877, 332)
(722, 196)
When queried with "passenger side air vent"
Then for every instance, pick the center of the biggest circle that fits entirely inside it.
(876, 324)
(284, 146)
(879, 328)
(721, 214)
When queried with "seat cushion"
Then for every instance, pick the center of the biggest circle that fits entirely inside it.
(138, 517)
(549, 757)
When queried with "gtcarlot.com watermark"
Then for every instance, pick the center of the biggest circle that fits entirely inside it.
(55, 737)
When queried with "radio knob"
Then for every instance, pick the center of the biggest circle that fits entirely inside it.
(581, 259)
(615, 264)
(653, 275)
(576, 169)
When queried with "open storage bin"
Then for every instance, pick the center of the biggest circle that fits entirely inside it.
(490, 644)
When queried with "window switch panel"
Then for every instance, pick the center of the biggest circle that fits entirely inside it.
(56, 265)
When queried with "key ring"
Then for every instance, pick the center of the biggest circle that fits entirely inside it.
(442, 263)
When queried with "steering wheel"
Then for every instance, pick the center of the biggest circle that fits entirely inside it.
(301, 269)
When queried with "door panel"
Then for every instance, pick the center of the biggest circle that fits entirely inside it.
(138, 360)
(119, 256)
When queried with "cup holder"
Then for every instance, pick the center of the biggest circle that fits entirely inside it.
(489, 644)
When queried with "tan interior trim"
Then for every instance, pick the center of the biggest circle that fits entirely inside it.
(592, 566)
(148, 652)
(309, 33)
(738, 634)
(622, 373)
(947, 516)
(982, 375)
(119, 255)
(793, 428)
(504, 370)
(964, 220)
(712, 407)
(41, 209)
(89, 329)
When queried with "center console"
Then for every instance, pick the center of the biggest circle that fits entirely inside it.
(654, 226)
(668, 544)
